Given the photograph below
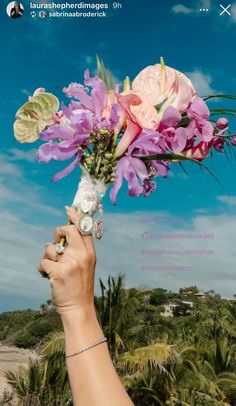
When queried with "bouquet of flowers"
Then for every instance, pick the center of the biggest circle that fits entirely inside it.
(134, 132)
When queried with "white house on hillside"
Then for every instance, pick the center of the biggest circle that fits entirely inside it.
(169, 307)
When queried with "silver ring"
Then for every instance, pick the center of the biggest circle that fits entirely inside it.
(59, 248)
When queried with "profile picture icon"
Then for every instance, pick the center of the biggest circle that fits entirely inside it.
(42, 14)
(15, 9)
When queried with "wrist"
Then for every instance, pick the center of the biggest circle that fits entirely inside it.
(78, 316)
(81, 327)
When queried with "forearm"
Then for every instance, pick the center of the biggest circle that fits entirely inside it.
(93, 378)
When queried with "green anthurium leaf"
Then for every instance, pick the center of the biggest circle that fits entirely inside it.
(32, 117)
(49, 104)
(28, 130)
(24, 115)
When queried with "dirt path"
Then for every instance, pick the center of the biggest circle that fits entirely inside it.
(10, 360)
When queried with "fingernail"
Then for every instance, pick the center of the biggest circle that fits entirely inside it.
(67, 207)
(47, 244)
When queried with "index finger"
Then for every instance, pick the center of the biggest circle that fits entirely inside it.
(70, 233)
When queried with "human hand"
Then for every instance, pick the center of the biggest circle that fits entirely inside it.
(72, 273)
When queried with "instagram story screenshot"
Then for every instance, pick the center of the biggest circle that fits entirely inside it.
(118, 203)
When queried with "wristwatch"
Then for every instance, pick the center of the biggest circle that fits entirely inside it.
(85, 224)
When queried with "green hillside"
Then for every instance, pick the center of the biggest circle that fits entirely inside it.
(28, 328)
(170, 349)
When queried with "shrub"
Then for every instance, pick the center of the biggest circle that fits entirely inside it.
(26, 340)
(41, 329)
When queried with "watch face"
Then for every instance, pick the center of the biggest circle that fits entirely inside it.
(98, 229)
(89, 203)
(86, 225)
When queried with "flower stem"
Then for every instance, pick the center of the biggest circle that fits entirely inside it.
(98, 165)
(114, 141)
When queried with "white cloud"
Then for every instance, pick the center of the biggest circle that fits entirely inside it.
(181, 9)
(26, 195)
(21, 155)
(233, 11)
(201, 81)
(205, 4)
(22, 247)
(8, 168)
(23, 236)
(121, 251)
(24, 230)
(230, 200)
(194, 9)
(16, 188)
(201, 210)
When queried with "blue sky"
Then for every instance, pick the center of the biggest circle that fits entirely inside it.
(51, 53)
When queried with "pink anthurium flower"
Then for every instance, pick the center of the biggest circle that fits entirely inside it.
(153, 86)
(158, 84)
(133, 127)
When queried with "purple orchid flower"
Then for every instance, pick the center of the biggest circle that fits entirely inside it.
(57, 151)
(158, 168)
(66, 171)
(62, 151)
(149, 186)
(70, 135)
(172, 138)
(200, 125)
(219, 143)
(129, 168)
(94, 104)
(80, 92)
(222, 123)
(134, 170)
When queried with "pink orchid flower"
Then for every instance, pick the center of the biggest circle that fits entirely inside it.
(199, 151)
(199, 114)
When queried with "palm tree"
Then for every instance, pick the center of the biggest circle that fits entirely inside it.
(43, 309)
(185, 361)
(194, 398)
(220, 354)
(45, 380)
(145, 375)
(218, 363)
(114, 309)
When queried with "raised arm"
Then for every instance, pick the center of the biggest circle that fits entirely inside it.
(93, 378)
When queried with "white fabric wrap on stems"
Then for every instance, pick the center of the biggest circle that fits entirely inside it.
(88, 184)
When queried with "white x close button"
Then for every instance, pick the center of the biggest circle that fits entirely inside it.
(225, 9)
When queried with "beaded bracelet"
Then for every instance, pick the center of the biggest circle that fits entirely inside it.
(88, 347)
